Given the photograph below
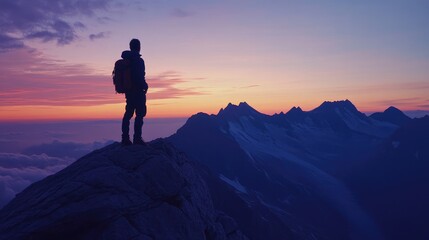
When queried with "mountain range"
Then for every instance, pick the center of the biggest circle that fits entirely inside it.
(328, 173)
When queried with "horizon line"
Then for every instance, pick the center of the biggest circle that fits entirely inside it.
(409, 113)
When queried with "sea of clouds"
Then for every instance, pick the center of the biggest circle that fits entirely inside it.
(30, 152)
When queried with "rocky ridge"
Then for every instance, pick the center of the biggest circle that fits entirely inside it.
(118, 192)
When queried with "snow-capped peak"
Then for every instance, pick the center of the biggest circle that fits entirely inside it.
(343, 104)
(242, 109)
(295, 109)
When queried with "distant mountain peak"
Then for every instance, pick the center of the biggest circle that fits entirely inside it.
(295, 110)
(392, 109)
(391, 115)
(295, 114)
(243, 108)
(343, 104)
(243, 104)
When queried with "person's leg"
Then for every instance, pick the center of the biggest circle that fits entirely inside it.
(129, 112)
(138, 123)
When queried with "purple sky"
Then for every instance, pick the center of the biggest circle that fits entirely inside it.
(57, 56)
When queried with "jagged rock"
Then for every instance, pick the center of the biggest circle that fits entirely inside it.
(118, 192)
(228, 223)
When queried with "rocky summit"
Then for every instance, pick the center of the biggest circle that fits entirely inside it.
(117, 192)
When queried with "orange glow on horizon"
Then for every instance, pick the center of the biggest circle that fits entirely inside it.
(159, 109)
(106, 111)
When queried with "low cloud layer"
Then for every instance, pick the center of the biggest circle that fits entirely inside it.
(65, 149)
(19, 170)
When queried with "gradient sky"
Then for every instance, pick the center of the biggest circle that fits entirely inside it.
(56, 57)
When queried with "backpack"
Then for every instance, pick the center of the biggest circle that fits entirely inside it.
(122, 76)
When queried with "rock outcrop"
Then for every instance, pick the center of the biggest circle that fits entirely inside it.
(118, 192)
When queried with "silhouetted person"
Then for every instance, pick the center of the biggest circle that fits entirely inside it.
(136, 97)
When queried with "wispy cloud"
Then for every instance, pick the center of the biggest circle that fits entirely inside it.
(7, 42)
(79, 25)
(399, 101)
(29, 78)
(44, 20)
(415, 103)
(95, 36)
(375, 87)
(181, 13)
(379, 95)
(251, 86)
(165, 86)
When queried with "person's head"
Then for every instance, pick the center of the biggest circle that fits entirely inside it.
(135, 45)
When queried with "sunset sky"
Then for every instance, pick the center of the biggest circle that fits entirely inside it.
(56, 57)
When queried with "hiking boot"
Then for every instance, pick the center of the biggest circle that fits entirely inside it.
(139, 141)
(126, 142)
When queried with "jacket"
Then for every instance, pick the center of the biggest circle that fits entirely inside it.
(138, 70)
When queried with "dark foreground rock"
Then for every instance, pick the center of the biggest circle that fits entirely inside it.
(119, 192)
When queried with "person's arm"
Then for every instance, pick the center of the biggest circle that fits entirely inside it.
(145, 86)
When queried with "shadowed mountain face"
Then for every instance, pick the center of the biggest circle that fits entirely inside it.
(288, 165)
(120, 192)
(393, 183)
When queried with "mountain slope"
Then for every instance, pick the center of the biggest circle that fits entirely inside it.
(284, 164)
(393, 184)
(119, 192)
(204, 143)
(343, 117)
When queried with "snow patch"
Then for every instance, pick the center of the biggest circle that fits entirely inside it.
(274, 141)
(234, 183)
(371, 127)
(272, 207)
